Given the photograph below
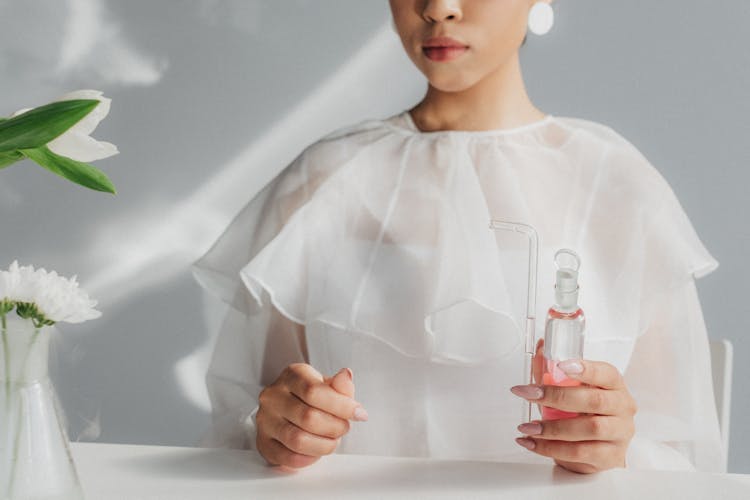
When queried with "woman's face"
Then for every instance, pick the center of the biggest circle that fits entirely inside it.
(485, 33)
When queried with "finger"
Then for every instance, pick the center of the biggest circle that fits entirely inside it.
(276, 453)
(599, 454)
(583, 399)
(583, 428)
(299, 440)
(343, 382)
(596, 373)
(580, 468)
(538, 365)
(311, 419)
(578, 399)
(303, 383)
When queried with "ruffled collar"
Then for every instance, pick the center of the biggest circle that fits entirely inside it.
(403, 122)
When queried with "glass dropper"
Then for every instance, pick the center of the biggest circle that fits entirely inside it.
(533, 239)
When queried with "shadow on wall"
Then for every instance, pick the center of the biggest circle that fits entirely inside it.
(204, 113)
(119, 377)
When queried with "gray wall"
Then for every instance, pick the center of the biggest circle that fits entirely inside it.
(213, 97)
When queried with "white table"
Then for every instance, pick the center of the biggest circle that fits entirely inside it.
(133, 472)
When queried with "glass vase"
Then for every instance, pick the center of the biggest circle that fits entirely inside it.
(35, 458)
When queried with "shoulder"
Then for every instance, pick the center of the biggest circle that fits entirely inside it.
(324, 158)
(344, 141)
(621, 162)
(319, 163)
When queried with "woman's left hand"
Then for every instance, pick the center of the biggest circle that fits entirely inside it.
(597, 439)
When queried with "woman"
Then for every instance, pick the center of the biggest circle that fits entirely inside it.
(370, 254)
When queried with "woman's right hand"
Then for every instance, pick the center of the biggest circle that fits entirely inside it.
(303, 415)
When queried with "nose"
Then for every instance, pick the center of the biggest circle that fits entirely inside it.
(436, 11)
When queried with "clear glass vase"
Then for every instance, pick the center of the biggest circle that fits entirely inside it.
(35, 458)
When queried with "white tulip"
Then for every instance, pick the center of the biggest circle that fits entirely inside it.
(76, 143)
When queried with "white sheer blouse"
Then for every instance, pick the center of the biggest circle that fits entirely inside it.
(371, 250)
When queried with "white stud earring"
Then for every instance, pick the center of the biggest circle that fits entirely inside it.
(541, 18)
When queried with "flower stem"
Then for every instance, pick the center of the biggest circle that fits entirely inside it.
(16, 444)
(19, 419)
(6, 357)
(6, 353)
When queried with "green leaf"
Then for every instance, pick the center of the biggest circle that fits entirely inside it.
(75, 171)
(37, 127)
(7, 159)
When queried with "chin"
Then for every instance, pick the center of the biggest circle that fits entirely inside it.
(451, 82)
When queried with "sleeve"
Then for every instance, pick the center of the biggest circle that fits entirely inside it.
(255, 342)
(669, 373)
(250, 352)
(261, 220)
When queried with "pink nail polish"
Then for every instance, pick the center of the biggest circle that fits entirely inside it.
(571, 366)
(527, 391)
(526, 443)
(530, 428)
(360, 414)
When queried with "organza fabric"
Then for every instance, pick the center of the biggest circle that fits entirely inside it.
(372, 251)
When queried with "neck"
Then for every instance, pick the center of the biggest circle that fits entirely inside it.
(497, 101)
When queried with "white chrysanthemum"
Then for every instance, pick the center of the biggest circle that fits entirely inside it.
(5, 285)
(56, 298)
(21, 281)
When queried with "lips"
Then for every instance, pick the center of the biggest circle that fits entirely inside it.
(441, 49)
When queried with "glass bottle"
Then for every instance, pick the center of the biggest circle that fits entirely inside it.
(35, 458)
(564, 329)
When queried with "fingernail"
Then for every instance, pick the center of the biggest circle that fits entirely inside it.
(530, 428)
(571, 366)
(527, 391)
(360, 414)
(351, 375)
(529, 444)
